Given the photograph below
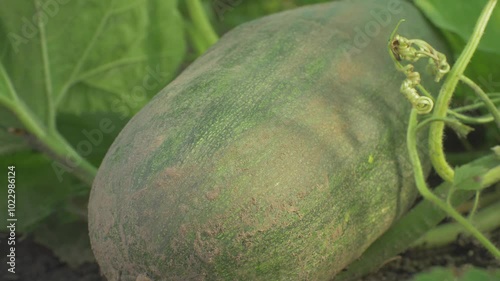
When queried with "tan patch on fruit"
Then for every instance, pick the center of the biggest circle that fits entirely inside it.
(213, 194)
(327, 125)
(157, 142)
(166, 182)
(205, 247)
(142, 277)
(294, 210)
(349, 70)
(183, 208)
(183, 230)
(337, 233)
(172, 172)
(137, 195)
(245, 238)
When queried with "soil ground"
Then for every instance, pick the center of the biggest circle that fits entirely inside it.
(37, 263)
(463, 252)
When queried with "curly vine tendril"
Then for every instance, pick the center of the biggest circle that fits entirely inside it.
(401, 49)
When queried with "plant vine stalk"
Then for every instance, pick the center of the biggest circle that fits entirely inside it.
(436, 133)
(201, 24)
(427, 193)
(484, 97)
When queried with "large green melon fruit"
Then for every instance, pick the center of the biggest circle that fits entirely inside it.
(278, 155)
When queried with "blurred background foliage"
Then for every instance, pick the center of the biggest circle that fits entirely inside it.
(229, 14)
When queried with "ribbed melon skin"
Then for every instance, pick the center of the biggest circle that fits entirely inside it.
(278, 155)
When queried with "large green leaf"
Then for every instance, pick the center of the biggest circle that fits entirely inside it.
(77, 56)
(44, 188)
(460, 16)
(10, 143)
(91, 134)
(457, 18)
(90, 51)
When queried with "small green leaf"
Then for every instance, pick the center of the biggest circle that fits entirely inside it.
(469, 177)
(460, 129)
